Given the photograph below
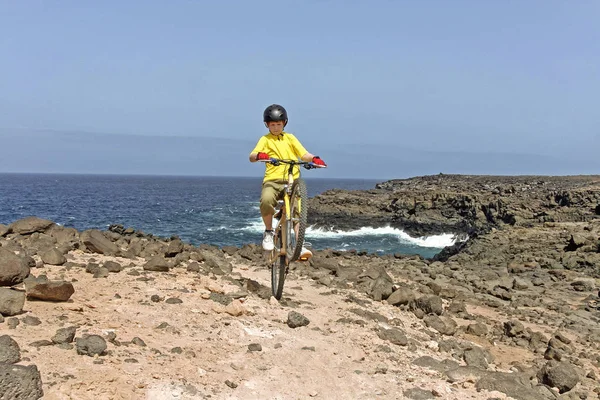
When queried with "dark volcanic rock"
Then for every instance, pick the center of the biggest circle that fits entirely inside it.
(13, 269)
(53, 257)
(393, 335)
(49, 290)
(402, 296)
(430, 304)
(95, 241)
(91, 345)
(157, 263)
(175, 247)
(30, 225)
(64, 335)
(11, 301)
(296, 320)
(418, 394)
(560, 375)
(376, 283)
(113, 266)
(513, 384)
(444, 325)
(20, 382)
(10, 352)
(467, 204)
(432, 363)
(217, 264)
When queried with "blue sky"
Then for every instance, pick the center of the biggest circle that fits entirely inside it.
(359, 79)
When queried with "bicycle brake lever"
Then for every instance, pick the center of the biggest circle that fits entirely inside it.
(274, 161)
(309, 166)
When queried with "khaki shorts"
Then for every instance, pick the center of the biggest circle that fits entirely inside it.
(271, 192)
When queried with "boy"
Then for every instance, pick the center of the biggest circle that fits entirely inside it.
(282, 145)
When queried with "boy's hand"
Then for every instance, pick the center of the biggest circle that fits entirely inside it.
(317, 161)
(262, 157)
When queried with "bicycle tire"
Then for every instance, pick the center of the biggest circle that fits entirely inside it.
(278, 267)
(299, 207)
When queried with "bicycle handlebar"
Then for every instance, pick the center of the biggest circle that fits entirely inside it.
(305, 164)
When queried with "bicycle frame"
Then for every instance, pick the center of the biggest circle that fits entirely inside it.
(292, 217)
(286, 217)
(287, 192)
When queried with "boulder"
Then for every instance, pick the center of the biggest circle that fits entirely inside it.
(20, 382)
(158, 264)
(53, 256)
(11, 301)
(10, 353)
(175, 247)
(49, 290)
(376, 283)
(95, 241)
(13, 269)
(560, 375)
(30, 225)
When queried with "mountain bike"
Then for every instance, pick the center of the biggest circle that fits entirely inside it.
(288, 235)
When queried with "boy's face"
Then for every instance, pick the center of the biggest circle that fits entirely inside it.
(275, 127)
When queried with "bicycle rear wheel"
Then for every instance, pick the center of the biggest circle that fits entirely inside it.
(299, 214)
(278, 266)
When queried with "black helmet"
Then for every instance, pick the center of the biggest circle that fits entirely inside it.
(275, 112)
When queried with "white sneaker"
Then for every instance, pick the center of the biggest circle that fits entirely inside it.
(268, 241)
(305, 254)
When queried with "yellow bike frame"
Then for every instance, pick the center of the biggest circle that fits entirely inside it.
(286, 217)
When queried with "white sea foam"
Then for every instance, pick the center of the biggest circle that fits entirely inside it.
(435, 241)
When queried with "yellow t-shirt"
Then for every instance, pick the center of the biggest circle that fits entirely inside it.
(284, 147)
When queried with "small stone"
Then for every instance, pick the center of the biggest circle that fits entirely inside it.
(113, 266)
(231, 384)
(296, 320)
(64, 335)
(176, 350)
(174, 300)
(393, 335)
(41, 343)
(155, 298)
(418, 394)
(101, 272)
(381, 369)
(138, 342)
(31, 320)
(12, 323)
(193, 267)
(111, 336)
(254, 347)
(91, 345)
(477, 329)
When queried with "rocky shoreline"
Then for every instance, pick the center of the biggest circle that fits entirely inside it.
(513, 312)
(461, 204)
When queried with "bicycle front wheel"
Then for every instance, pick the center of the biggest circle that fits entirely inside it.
(278, 267)
(299, 214)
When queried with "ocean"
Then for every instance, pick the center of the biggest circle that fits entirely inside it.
(211, 210)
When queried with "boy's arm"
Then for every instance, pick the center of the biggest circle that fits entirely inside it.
(254, 157)
(257, 149)
(307, 157)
